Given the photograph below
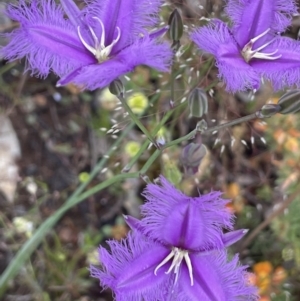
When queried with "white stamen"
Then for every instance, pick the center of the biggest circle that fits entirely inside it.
(178, 255)
(248, 53)
(100, 51)
(102, 41)
(87, 46)
(94, 36)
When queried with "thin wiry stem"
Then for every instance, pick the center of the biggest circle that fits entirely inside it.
(136, 119)
(270, 218)
(144, 146)
(193, 133)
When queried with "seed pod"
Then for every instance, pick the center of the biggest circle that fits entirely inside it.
(289, 102)
(116, 87)
(176, 26)
(268, 110)
(198, 104)
(191, 157)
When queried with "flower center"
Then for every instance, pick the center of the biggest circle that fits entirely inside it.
(100, 51)
(178, 255)
(248, 53)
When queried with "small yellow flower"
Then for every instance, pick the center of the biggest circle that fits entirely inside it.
(131, 148)
(138, 103)
(108, 100)
(84, 177)
(23, 225)
(92, 257)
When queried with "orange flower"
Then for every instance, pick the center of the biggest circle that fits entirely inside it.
(263, 273)
(279, 275)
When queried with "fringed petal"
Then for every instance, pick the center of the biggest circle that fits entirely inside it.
(232, 237)
(45, 39)
(145, 51)
(129, 269)
(252, 17)
(216, 39)
(189, 223)
(96, 76)
(283, 72)
(133, 17)
(72, 11)
(215, 279)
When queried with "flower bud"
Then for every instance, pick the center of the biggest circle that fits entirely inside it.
(201, 126)
(289, 102)
(176, 26)
(268, 110)
(116, 87)
(191, 157)
(197, 101)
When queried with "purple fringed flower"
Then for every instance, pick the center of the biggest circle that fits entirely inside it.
(176, 252)
(93, 46)
(252, 48)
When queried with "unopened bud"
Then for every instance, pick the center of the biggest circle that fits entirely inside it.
(201, 126)
(176, 26)
(116, 87)
(191, 157)
(289, 102)
(268, 110)
(145, 178)
(197, 101)
(175, 45)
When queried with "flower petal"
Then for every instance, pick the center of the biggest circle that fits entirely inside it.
(72, 11)
(45, 38)
(215, 280)
(232, 237)
(285, 71)
(253, 17)
(233, 70)
(131, 16)
(133, 223)
(145, 51)
(129, 269)
(96, 75)
(189, 223)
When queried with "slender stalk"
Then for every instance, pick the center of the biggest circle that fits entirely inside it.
(28, 248)
(230, 123)
(144, 146)
(32, 243)
(270, 218)
(192, 134)
(150, 161)
(172, 83)
(136, 119)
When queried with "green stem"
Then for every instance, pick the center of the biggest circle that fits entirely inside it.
(31, 244)
(136, 119)
(193, 133)
(7, 67)
(230, 123)
(150, 161)
(144, 146)
(28, 248)
(172, 83)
